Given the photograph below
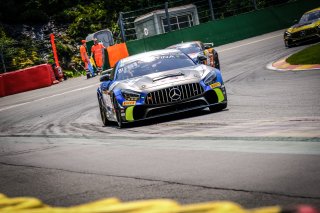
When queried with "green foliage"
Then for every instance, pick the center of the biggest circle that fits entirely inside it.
(4, 39)
(23, 60)
(18, 55)
(86, 19)
(73, 74)
(309, 55)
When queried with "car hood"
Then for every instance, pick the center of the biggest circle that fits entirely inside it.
(304, 26)
(156, 81)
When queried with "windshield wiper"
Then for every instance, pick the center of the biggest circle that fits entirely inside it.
(167, 76)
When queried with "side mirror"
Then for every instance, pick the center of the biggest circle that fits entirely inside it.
(201, 58)
(105, 77)
(208, 45)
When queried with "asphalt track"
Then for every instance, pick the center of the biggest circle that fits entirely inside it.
(263, 150)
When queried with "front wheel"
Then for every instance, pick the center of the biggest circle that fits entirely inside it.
(103, 114)
(216, 61)
(288, 43)
(118, 113)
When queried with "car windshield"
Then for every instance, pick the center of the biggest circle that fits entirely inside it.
(189, 48)
(309, 17)
(152, 64)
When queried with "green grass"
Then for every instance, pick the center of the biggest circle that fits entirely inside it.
(73, 74)
(310, 55)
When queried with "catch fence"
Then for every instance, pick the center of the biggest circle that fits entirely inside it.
(207, 10)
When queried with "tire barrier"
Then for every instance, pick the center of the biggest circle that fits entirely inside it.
(33, 205)
(26, 79)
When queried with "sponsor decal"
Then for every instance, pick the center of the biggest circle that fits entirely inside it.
(217, 84)
(128, 103)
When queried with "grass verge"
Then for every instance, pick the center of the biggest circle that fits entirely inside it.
(310, 55)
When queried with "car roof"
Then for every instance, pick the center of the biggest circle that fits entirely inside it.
(313, 10)
(150, 53)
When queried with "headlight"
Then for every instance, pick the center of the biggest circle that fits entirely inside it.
(130, 95)
(287, 34)
(210, 78)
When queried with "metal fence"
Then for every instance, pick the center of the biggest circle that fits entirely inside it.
(207, 10)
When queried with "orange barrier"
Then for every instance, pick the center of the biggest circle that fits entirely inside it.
(26, 79)
(117, 52)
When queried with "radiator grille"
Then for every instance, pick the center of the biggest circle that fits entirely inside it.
(174, 94)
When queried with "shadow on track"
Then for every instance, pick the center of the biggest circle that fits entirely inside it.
(168, 118)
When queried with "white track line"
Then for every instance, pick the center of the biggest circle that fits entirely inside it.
(52, 96)
(253, 42)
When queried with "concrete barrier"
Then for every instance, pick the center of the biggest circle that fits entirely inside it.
(26, 79)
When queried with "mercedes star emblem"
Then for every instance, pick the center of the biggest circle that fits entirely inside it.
(175, 94)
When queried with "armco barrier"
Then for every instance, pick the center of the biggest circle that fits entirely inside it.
(26, 79)
(230, 29)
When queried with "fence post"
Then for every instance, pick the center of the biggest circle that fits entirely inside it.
(255, 4)
(211, 10)
(167, 15)
(120, 22)
(2, 59)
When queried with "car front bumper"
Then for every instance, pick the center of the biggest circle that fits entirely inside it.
(212, 97)
(304, 35)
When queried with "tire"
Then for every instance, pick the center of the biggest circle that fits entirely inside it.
(118, 113)
(103, 114)
(288, 43)
(216, 61)
(218, 108)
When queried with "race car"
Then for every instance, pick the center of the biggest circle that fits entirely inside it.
(158, 83)
(308, 28)
(194, 49)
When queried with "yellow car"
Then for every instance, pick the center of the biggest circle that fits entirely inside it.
(308, 28)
